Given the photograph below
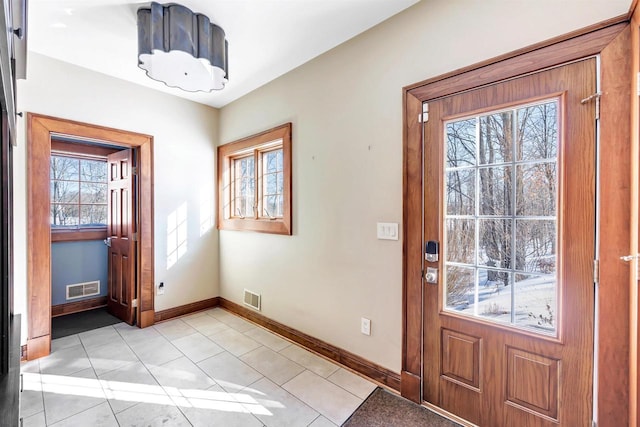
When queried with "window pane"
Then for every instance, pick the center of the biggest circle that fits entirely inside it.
(270, 206)
(495, 191)
(280, 206)
(272, 184)
(64, 215)
(536, 191)
(270, 162)
(536, 246)
(91, 192)
(65, 192)
(93, 170)
(538, 132)
(495, 243)
(93, 215)
(461, 143)
(461, 192)
(496, 141)
(461, 237)
(64, 168)
(460, 292)
(536, 304)
(244, 187)
(494, 295)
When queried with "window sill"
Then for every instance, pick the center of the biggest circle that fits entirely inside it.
(270, 226)
(78, 235)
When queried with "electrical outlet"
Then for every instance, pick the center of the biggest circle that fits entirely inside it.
(365, 326)
(161, 288)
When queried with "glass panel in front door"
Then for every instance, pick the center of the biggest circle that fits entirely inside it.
(500, 228)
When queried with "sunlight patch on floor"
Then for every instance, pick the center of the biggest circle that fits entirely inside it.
(145, 393)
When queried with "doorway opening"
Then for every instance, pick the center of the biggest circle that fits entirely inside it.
(129, 227)
(80, 222)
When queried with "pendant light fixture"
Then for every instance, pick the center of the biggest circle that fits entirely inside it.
(182, 49)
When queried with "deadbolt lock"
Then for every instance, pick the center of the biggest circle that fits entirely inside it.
(431, 275)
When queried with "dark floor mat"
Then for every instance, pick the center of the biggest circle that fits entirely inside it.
(384, 409)
(71, 324)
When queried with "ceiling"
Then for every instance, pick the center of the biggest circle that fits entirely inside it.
(267, 38)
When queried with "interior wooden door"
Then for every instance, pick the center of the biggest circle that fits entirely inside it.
(509, 195)
(121, 236)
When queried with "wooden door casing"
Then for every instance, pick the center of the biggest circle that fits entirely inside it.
(120, 233)
(40, 130)
(493, 375)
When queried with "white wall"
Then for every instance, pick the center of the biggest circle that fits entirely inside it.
(185, 136)
(347, 155)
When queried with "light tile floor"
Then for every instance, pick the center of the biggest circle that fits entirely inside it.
(208, 369)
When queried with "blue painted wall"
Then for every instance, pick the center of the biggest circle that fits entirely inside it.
(77, 262)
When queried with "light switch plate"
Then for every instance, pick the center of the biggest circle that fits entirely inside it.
(365, 326)
(387, 231)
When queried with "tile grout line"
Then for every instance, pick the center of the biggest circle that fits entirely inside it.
(154, 377)
(98, 378)
(338, 367)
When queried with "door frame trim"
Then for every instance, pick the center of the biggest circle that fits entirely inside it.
(40, 128)
(610, 40)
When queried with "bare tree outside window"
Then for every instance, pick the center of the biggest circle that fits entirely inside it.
(500, 215)
(78, 192)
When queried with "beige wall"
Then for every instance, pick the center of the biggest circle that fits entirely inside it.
(185, 136)
(347, 134)
(347, 154)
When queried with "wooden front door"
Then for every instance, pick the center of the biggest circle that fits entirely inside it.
(121, 236)
(509, 196)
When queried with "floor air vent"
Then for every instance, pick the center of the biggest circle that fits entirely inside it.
(252, 299)
(79, 290)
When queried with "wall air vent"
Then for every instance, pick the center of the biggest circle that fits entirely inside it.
(86, 289)
(252, 299)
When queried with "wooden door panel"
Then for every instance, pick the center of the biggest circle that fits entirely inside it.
(121, 228)
(124, 213)
(532, 382)
(461, 400)
(510, 335)
(461, 358)
(114, 275)
(125, 286)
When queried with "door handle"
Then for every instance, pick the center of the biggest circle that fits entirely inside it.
(107, 241)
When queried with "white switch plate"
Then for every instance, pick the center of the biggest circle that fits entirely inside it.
(388, 231)
(365, 326)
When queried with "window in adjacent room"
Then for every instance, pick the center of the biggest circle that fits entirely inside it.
(254, 183)
(78, 190)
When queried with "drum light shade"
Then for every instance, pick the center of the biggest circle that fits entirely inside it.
(182, 49)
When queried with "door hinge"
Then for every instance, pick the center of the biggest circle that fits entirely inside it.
(424, 116)
(595, 96)
(134, 303)
(594, 423)
(134, 236)
(134, 170)
(596, 271)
